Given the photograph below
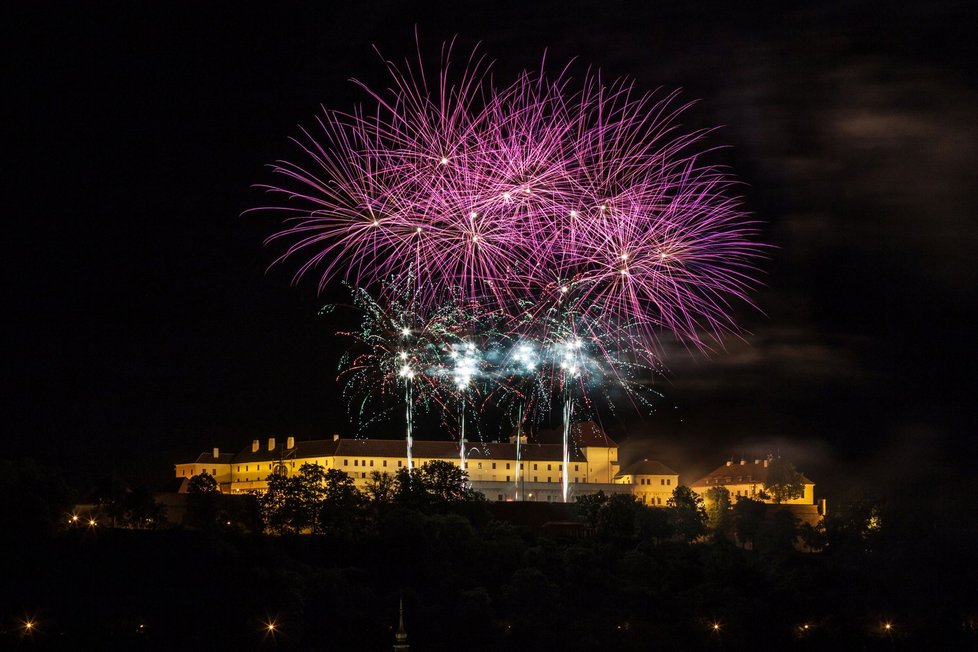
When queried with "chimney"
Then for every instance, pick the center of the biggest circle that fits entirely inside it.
(217, 452)
(271, 443)
(765, 463)
(742, 461)
(729, 462)
(336, 436)
(757, 461)
(254, 445)
(290, 443)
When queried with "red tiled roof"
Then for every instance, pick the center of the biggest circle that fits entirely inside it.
(646, 467)
(422, 449)
(738, 473)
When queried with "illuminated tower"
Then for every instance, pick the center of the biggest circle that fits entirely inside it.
(400, 639)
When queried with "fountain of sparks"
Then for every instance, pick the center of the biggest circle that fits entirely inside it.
(571, 363)
(406, 372)
(526, 361)
(466, 360)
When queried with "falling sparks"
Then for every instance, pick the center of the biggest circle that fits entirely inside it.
(520, 161)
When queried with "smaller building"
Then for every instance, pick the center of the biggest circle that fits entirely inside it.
(747, 479)
(652, 482)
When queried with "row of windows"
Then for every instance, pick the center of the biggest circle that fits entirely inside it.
(665, 482)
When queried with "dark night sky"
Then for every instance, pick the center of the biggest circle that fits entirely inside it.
(144, 328)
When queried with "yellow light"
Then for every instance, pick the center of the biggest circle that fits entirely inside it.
(28, 625)
(887, 626)
(91, 522)
(74, 518)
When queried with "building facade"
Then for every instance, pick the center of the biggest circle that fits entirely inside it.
(501, 471)
(747, 479)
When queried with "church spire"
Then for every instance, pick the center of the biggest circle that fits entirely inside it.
(401, 642)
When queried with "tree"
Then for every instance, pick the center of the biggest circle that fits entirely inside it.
(202, 501)
(340, 503)
(748, 518)
(718, 509)
(813, 536)
(784, 481)
(142, 512)
(285, 506)
(688, 513)
(433, 486)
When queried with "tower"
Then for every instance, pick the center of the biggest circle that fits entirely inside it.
(400, 639)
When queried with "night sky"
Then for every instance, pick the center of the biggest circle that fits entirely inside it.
(144, 328)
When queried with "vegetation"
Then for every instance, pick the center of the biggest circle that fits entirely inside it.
(630, 577)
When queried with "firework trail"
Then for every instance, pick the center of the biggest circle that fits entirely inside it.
(543, 236)
(521, 193)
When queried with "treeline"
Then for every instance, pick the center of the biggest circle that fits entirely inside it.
(628, 577)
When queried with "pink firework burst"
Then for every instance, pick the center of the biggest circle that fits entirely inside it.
(539, 191)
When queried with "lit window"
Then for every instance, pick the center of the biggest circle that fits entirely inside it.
(399, 463)
(480, 466)
(346, 462)
(550, 467)
(507, 466)
(560, 467)
(669, 481)
(356, 462)
(371, 462)
(385, 463)
(363, 475)
(534, 467)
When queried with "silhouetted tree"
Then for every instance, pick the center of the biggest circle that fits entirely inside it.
(340, 503)
(203, 499)
(142, 512)
(655, 524)
(34, 500)
(687, 513)
(813, 536)
(748, 518)
(784, 482)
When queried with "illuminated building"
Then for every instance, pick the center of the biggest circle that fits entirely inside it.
(652, 482)
(499, 470)
(747, 479)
